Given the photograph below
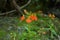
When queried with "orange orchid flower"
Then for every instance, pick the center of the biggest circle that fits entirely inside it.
(28, 20)
(33, 17)
(22, 18)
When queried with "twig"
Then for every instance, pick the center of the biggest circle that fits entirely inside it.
(17, 7)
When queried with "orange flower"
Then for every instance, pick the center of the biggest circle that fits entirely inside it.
(52, 16)
(22, 18)
(33, 17)
(28, 20)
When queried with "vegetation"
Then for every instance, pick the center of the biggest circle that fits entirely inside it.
(32, 24)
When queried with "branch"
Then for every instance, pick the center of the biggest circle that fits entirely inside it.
(17, 7)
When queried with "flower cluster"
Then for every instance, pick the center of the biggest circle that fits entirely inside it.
(30, 18)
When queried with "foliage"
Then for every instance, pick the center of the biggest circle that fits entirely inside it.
(41, 29)
(36, 29)
(31, 25)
